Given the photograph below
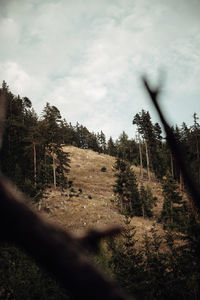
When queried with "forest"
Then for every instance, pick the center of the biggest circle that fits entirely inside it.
(32, 156)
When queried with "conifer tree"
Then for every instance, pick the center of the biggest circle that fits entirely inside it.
(147, 201)
(151, 134)
(173, 214)
(93, 142)
(123, 146)
(53, 144)
(126, 189)
(126, 260)
(111, 147)
(102, 142)
(16, 154)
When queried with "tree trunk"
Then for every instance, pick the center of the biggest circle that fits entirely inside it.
(35, 162)
(45, 166)
(54, 170)
(197, 144)
(171, 212)
(143, 211)
(131, 205)
(131, 153)
(121, 203)
(147, 157)
(141, 161)
(181, 182)
(172, 165)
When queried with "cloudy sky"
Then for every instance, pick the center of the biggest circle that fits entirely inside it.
(86, 57)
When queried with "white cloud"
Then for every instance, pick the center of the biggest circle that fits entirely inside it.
(87, 57)
(17, 77)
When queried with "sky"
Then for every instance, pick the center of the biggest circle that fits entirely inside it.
(86, 57)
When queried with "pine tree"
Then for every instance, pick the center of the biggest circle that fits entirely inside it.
(126, 260)
(132, 193)
(93, 142)
(140, 155)
(174, 209)
(126, 188)
(101, 142)
(151, 134)
(16, 154)
(123, 146)
(147, 201)
(53, 144)
(111, 147)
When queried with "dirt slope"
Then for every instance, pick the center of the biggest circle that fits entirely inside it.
(92, 207)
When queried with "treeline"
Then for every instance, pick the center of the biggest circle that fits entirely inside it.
(163, 267)
(32, 153)
(155, 154)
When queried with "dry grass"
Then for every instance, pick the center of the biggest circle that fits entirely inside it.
(80, 212)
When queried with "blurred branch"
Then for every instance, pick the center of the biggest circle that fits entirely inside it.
(177, 151)
(60, 253)
(2, 114)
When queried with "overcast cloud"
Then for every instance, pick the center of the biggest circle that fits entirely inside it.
(86, 57)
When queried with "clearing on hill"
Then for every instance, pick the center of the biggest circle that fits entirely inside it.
(90, 201)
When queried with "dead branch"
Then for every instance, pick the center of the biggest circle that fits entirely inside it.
(59, 252)
(178, 152)
(2, 114)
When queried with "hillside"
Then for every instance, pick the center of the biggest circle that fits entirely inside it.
(93, 206)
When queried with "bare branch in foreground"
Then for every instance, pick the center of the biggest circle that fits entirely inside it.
(2, 115)
(57, 251)
(176, 150)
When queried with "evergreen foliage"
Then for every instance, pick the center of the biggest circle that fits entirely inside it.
(125, 260)
(174, 211)
(164, 267)
(147, 201)
(132, 201)
(151, 134)
(126, 189)
(101, 138)
(111, 147)
(32, 147)
(32, 157)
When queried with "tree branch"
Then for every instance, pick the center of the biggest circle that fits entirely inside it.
(177, 151)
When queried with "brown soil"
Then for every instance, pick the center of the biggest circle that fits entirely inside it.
(94, 206)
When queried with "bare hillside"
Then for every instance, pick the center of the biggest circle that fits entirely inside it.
(90, 205)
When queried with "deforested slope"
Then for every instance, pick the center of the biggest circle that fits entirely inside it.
(89, 203)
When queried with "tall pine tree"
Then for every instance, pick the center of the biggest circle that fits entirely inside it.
(174, 211)
(126, 189)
